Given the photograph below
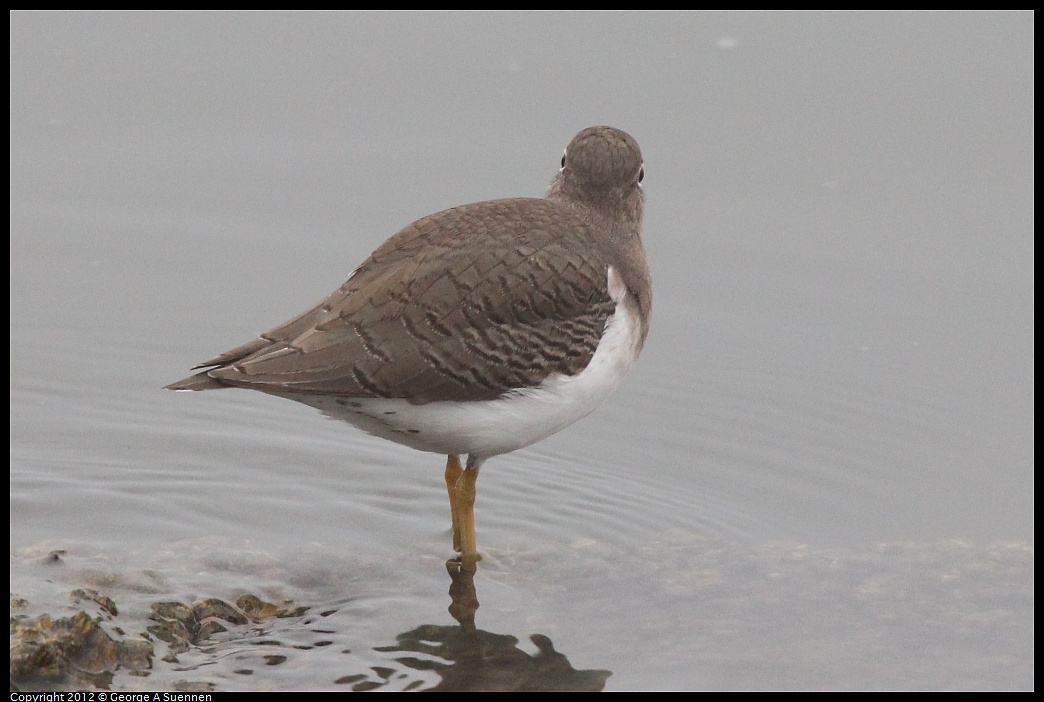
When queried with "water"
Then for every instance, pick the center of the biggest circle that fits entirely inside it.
(821, 465)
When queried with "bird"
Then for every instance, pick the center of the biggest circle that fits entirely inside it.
(477, 330)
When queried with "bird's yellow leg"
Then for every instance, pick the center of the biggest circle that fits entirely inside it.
(469, 556)
(453, 473)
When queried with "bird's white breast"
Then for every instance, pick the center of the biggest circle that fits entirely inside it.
(514, 420)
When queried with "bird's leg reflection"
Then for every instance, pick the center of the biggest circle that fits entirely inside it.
(463, 597)
(470, 659)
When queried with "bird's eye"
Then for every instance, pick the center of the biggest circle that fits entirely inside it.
(641, 174)
(563, 160)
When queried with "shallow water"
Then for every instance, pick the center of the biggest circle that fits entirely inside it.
(683, 612)
(818, 476)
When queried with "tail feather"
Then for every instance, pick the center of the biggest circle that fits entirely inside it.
(199, 381)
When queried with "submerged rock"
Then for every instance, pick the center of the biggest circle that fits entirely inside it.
(71, 650)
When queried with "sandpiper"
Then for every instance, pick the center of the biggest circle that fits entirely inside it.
(477, 330)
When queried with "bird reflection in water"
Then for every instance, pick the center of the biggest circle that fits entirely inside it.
(470, 659)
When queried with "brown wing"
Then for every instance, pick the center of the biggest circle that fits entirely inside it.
(463, 305)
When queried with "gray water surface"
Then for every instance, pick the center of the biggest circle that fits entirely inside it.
(819, 475)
